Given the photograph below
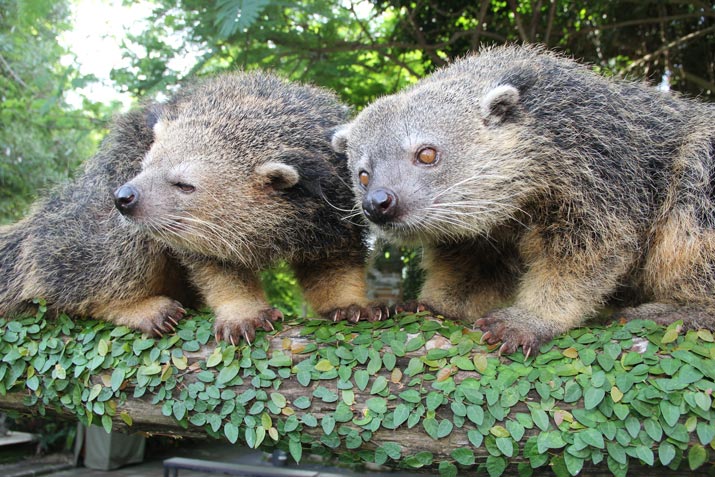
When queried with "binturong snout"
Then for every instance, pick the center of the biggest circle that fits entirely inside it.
(126, 199)
(380, 205)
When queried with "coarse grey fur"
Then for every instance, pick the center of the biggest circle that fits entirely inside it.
(554, 190)
(241, 175)
(75, 251)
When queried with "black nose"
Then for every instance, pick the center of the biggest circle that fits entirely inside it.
(126, 198)
(380, 205)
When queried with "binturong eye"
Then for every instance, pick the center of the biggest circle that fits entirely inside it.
(185, 188)
(364, 178)
(427, 155)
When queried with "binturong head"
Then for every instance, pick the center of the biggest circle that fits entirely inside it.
(231, 165)
(442, 160)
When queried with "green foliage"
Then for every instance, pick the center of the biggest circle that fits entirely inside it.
(41, 140)
(367, 49)
(644, 393)
(283, 291)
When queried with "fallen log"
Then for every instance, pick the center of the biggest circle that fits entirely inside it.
(412, 392)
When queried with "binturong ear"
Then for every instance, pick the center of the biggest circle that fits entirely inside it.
(498, 103)
(278, 175)
(340, 138)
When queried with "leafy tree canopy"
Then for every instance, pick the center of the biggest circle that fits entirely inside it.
(365, 49)
(42, 140)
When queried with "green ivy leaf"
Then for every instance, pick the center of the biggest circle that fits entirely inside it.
(616, 452)
(228, 373)
(279, 360)
(411, 395)
(179, 410)
(434, 400)
(464, 456)
(447, 469)
(377, 405)
(540, 418)
(402, 412)
(505, 445)
(324, 365)
(302, 402)
(697, 455)
(475, 438)
(430, 425)
(592, 397)
(705, 432)
(361, 379)
(573, 464)
(496, 466)
(593, 438)
(328, 424)
(414, 367)
(444, 429)
(107, 423)
(666, 453)
(645, 454)
(549, 440)
(476, 414)
(295, 448)
(378, 385)
(215, 358)
(670, 412)
(231, 432)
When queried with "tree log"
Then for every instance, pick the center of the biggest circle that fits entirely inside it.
(413, 392)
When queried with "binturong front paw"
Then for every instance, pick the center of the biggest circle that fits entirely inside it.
(355, 313)
(164, 317)
(414, 306)
(515, 327)
(232, 328)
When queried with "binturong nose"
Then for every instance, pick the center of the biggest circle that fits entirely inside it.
(380, 205)
(126, 198)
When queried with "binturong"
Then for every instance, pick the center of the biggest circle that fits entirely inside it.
(74, 250)
(541, 191)
(241, 174)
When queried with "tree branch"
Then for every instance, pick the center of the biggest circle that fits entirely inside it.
(690, 36)
(7, 66)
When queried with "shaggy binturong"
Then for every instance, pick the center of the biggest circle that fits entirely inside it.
(241, 174)
(75, 251)
(541, 191)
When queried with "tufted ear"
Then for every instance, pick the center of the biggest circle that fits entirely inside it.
(498, 103)
(340, 138)
(278, 175)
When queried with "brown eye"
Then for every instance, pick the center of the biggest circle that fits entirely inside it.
(186, 188)
(427, 155)
(364, 178)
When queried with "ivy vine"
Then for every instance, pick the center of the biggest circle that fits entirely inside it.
(613, 395)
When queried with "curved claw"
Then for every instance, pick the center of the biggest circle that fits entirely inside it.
(485, 337)
(503, 347)
(527, 353)
(233, 342)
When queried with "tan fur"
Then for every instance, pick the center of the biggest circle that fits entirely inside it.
(331, 285)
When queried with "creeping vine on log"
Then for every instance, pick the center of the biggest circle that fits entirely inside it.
(412, 391)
